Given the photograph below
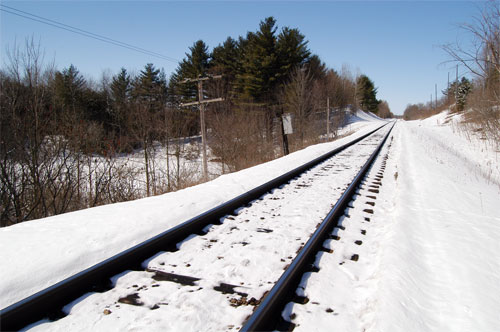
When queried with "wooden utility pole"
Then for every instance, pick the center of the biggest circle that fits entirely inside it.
(436, 95)
(327, 119)
(201, 105)
(448, 90)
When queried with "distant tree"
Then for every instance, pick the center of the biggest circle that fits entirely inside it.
(260, 66)
(149, 95)
(94, 104)
(121, 88)
(225, 60)
(462, 92)
(413, 112)
(150, 87)
(68, 89)
(367, 94)
(481, 56)
(298, 99)
(195, 64)
(384, 111)
(224, 57)
(316, 67)
(458, 92)
(292, 51)
(37, 168)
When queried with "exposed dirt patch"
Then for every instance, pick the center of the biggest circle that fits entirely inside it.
(132, 299)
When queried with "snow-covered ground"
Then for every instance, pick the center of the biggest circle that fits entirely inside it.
(429, 258)
(440, 252)
(39, 253)
(242, 252)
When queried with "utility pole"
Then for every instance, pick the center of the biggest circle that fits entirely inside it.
(327, 119)
(201, 105)
(448, 91)
(436, 95)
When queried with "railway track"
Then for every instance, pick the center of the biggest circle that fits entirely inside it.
(223, 265)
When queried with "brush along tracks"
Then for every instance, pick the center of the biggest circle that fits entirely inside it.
(215, 279)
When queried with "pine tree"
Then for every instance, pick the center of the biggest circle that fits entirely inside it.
(225, 61)
(316, 67)
(196, 64)
(462, 92)
(366, 94)
(69, 85)
(260, 66)
(121, 88)
(292, 51)
(150, 87)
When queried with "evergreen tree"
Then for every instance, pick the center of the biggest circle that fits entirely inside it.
(292, 51)
(316, 67)
(150, 87)
(95, 107)
(121, 88)
(459, 90)
(366, 94)
(195, 64)
(260, 66)
(225, 60)
(68, 88)
(462, 92)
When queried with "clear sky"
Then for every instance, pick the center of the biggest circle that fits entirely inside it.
(395, 43)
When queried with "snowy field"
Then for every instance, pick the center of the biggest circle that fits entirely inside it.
(429, 258)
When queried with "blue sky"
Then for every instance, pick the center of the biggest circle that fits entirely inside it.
(395, 43)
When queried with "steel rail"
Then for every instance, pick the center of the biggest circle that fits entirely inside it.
(41, 304)
(266, 315)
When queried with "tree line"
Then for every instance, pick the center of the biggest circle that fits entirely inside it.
(477, 97)
(62, 135)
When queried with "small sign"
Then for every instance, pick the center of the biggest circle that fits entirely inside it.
(287, 123)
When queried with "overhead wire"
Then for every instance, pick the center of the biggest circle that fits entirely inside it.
(82, 32)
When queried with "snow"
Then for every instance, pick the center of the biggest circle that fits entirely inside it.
(429, 258)
(425, 259)
(40, 253)
(441, 260)
(230, 253)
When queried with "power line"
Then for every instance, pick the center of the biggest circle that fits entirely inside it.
(83, 32)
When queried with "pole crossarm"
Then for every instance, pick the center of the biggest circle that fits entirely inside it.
(201, 102)
(212, 77)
